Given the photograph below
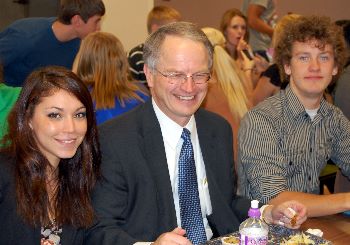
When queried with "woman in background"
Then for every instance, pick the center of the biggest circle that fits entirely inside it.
(228, 93)
(50, 162)
(234, 27)
(103, 65)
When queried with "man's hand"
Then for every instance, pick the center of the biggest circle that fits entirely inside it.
(291, 214)
(173, 237)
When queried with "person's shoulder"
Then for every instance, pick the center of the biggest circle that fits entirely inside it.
(6, 165)
(123, 123)
(136, 50)
(270, 103)
(9, 91)
(333, 111)
(29, 26)
(143, 94)
(210, 118)
(269, 109)
(33, 22)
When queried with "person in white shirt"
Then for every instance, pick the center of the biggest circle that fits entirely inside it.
(141, 200)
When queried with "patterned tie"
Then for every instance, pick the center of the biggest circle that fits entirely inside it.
(190, 208)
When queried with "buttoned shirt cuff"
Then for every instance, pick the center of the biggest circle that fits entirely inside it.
(143, 243)
(262, 209)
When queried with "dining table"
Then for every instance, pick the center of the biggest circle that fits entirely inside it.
(336, 228)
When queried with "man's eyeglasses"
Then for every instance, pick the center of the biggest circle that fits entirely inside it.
(180, 78)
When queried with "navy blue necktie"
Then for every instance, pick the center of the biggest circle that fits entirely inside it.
(190, 208)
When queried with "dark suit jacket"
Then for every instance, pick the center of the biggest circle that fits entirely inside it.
(135, 200)
(13, 230)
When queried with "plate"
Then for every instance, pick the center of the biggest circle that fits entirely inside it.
(276, 235)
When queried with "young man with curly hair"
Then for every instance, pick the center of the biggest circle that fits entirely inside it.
(286, 141)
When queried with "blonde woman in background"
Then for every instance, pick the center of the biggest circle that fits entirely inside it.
(234, 27)
(102, 64)
(228, 92)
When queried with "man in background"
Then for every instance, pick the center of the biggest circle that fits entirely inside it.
(261, 15)
(157, 17)
(31, 43)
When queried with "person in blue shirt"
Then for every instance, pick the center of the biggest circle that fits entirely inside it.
(30, 43)
(103, 65)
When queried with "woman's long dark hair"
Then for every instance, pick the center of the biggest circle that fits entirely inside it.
(76, 176)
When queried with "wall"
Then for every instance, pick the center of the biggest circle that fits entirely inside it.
(127, 20)
(208, 12)
(11, 11)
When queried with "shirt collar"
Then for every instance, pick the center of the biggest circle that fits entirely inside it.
(297, 108)
(171, 130)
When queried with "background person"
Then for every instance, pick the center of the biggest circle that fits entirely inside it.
(157, 17)
(30, 43)
(103, 66)
(233, 25)
(228, 94)
(167, 152)
(342, 100)
(261, 15)
(270, 81)
(50, 162)
(8, 97)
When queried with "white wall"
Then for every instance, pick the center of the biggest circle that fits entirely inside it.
(127, 20)
(209, 12)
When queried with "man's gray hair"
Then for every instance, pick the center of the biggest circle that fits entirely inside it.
(153, 44)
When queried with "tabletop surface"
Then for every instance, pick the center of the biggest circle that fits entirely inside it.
(336, 228)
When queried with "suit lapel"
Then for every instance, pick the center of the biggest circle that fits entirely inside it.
(208, 140)
(152, 141)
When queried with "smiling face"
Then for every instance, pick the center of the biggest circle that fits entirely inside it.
(311, 70)
(179, 55)
(235, 30)
(59, 125)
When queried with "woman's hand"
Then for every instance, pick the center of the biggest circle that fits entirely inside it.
(242, 45)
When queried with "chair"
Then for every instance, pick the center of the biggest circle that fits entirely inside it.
(327, 177)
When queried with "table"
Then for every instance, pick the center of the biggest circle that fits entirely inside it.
(336, 228)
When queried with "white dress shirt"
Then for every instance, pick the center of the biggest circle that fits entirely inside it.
(171, 133)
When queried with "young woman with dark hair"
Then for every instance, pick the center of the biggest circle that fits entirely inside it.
(50, 162)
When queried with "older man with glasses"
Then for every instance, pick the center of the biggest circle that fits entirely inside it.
(167, 165)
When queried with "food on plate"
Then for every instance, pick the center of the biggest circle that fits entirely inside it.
(316, 232)
(231, 240)
(300, 238)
